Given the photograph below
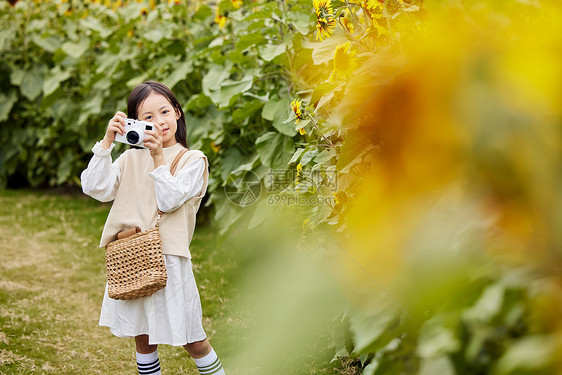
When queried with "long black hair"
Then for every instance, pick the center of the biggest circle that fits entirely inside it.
(142, 91)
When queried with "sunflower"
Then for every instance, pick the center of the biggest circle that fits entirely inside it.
(345, 61)
(237, 3)
(326, 22)
(299, 170)
(219, 19)
(296, 107)
(302, 131)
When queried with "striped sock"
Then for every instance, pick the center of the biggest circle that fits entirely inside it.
(148, 363)
(209, 364)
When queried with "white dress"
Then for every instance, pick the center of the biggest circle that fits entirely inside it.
(173, 315)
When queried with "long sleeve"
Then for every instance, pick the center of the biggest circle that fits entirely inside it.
(100, 179)
(173, 191)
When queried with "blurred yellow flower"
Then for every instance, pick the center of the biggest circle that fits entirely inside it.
(237, 3)
(347, 21)
(302, 131)
(340, 197)
(215, 148)
(299, 170)
(345, 61)
(219, 19)
(296, 107)
(152, 4)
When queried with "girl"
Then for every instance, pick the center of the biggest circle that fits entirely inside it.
(139, 182)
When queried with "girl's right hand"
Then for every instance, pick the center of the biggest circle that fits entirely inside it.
(116, 124)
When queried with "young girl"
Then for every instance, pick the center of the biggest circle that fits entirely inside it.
(139, 182)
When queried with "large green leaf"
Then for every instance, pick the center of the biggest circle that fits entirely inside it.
(275, 150)
(270, 51)
(53, 80)
(31, 84)
(178, 74)
(6, 104)
(49, 43)
(277, 112)
(214, 78)
(76, 49)
(229, 89)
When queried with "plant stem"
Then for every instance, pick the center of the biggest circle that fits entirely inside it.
(318, 129)
(351, 36)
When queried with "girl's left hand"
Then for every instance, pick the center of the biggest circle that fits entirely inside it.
(153, 140)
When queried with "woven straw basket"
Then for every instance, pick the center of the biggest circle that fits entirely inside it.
(135, 265)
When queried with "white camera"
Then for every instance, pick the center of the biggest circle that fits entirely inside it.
(134, 132)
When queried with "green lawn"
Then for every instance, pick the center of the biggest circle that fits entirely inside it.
(52, 278)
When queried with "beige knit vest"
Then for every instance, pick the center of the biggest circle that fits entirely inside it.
(135, 201)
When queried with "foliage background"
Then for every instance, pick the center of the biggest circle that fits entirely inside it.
(443, 229)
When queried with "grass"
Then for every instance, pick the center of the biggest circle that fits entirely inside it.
(52, 278)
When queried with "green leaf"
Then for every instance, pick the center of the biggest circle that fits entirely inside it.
(530, 354)
(368, 328)
(262, 211)
(16, 77)
(324, 101)
(216, 75)
(65, 167)
(92, 106)
(178, 74)
(250, 40)
(321, 90)
(50, 43)
(95, 25)
(271, 51)
(199, 101)
(325, 156)
(31, 84)
(246, 111)
(231, 88)
(77, 49)
(324, 51)
(301, 22)
(274, 149)
(6, 104)
(488, 305)
(441, 365)
(138, 80)
(154, 35)
(436, 340)
(301, 124)
(6, 37)
(53, 81)
(131, 11)
(296, 155)
(265, 12)
(277, 111)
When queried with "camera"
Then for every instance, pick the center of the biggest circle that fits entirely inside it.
(134, 132)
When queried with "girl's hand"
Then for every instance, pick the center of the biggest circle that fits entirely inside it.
(116, 124)
(153, 140)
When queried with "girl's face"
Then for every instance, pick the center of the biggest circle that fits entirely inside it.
(156, 108)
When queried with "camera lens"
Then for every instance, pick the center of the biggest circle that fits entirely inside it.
(133, 137)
